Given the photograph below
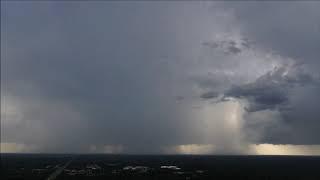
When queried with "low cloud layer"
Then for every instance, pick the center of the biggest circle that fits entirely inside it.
(155, 77)
(272, 90)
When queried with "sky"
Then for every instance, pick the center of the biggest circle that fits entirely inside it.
(160, 77)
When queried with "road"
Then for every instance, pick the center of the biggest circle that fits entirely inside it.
(57, 172)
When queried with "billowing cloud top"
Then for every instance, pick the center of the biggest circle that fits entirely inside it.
(157, 77)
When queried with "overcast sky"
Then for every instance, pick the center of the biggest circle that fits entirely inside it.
(160, 77)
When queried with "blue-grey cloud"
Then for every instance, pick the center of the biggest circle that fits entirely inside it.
(272, 90)
(130, 74)
(282, 102)
(104, 65)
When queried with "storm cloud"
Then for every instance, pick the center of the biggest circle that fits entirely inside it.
(151, 76)
(272, 90)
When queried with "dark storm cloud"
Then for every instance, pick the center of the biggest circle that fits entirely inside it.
(289, 92)
(228, 46)
(103, 65)
(294, 97)
(281, 29)
(282, 106)
(271, 90)
(123, 74)
(298, 124)
(209, 95)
